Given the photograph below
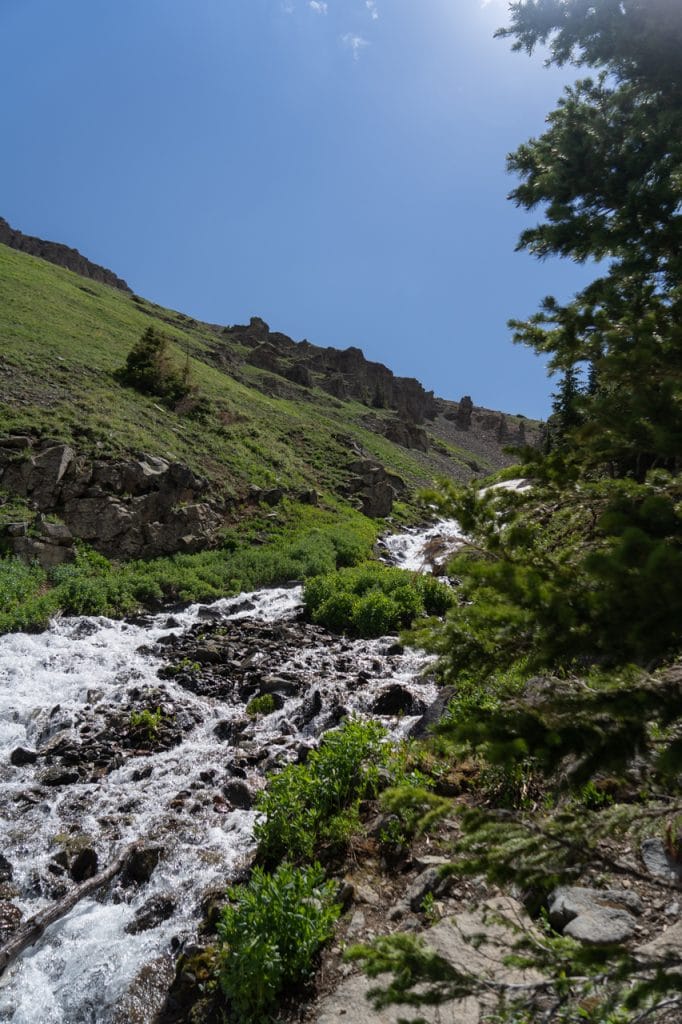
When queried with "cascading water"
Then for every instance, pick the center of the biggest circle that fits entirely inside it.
(60, 688)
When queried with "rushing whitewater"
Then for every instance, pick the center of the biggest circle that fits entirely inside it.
(61, 686)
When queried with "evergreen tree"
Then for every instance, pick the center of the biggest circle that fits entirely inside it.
(148, 369)
(571, 593)
(566, 412)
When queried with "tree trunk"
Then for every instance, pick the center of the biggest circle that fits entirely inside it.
(31, 931)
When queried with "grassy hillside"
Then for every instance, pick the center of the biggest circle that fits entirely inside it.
(63, 338)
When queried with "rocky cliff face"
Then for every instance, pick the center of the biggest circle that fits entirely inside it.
(62, 255)
(132, 508)
(343, 373)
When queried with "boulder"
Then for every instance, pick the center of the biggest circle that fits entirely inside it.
(465, 408)
(433, 713)
(46, 555)
(152, 913)
(141, 864)
(20, 756)
(658, 861)
(15, 442)
(407, 435)
(56, 533)
(126, 508)
(396, 700)
(39, 477)
(599, 917)
(376, 488)
(238, 793)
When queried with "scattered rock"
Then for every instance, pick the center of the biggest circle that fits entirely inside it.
(431, 880)
(658, 861)
(668, 944)
(6, 872)
(58, 775)
(475, 943)
(152, 913)
(10, 919)
(596, 916)
(20, 756)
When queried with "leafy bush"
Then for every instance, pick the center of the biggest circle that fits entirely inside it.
(373, 600)
(304, 805)
(93, 585)
(308, 806)
(23, 602)
(147, 722)
(269, 934)
(263, 705)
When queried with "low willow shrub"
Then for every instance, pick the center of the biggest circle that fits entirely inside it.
(269, 934)
(93, 585)
(311, 806)
(372, 600)
(263, 705)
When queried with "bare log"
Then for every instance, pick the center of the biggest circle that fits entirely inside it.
(31, 931)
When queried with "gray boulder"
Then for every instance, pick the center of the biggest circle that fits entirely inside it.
(599, 917)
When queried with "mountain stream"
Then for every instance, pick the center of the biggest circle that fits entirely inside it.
(77, 786)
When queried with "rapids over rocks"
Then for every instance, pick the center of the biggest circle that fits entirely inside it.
(79, 781)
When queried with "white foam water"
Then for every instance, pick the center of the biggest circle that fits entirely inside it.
(419, 550)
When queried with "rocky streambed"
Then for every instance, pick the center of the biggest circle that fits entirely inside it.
(113, 733)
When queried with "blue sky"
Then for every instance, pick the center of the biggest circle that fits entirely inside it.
(336, 167)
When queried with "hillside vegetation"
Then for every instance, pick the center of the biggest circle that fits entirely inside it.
(64, 338)
(199, 460)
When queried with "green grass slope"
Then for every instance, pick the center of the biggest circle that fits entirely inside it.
(62, 338)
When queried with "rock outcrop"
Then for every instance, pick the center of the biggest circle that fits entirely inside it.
(343, 373)
(376, 488)
(128, 508)
(62, 255)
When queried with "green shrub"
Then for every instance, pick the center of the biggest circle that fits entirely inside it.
(372, 600)
(263, 705)
(147, 722)
(376, 614)
(336, 611)
(93, 585)
(308, 805)
(313, 805)
(269, 935)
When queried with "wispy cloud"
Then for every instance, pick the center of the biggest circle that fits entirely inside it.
(319, 6)
(287, 7)
(373, 11)
(356, 44)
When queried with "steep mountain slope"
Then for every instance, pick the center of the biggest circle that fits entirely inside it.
(274, 418)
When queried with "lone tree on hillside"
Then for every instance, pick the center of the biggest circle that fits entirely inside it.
(149, 370)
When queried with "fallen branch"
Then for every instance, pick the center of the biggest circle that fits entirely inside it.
(31, 931)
